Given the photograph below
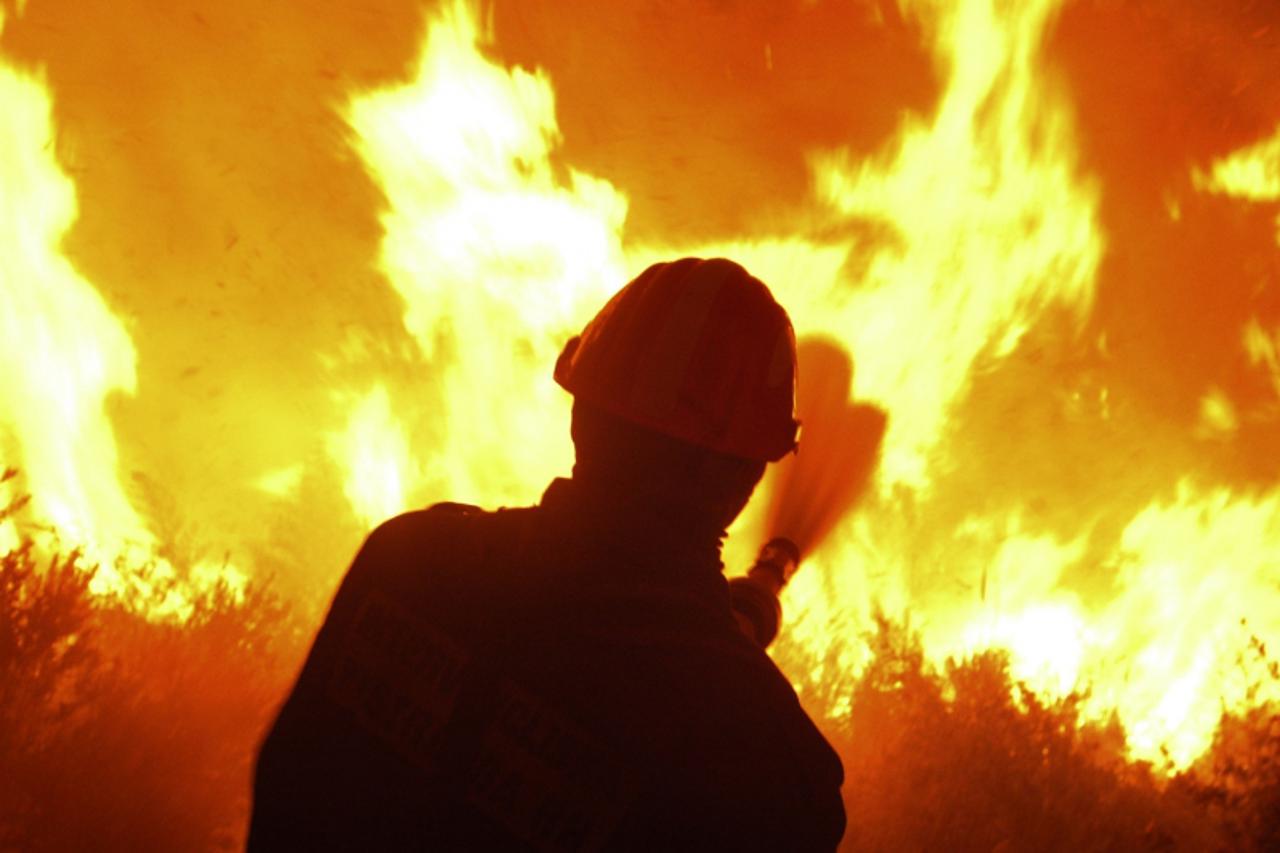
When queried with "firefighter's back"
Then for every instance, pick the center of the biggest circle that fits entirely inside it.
(531, 679)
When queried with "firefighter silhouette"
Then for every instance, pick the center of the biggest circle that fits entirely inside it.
(574, 675)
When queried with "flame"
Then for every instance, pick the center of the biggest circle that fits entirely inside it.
(63, 354)
(1252, 173)
(62, 351)
(374, 451)
(1010, 229)
(498, 260)
(1196, 579)
(1263, 349)
(970, 228)
(991, 223)
(933, 261)
(1007, 229)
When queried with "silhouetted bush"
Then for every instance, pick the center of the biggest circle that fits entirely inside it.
(120, 733)
(966, 758)
(1238, 780)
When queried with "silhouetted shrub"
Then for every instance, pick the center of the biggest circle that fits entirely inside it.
(47, 665)
(1238, 780)
(119, 733)
(968, 759)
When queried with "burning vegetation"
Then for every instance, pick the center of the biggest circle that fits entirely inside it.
(119, 732)
(271, 275)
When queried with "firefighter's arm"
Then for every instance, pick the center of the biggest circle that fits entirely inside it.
(754, 598)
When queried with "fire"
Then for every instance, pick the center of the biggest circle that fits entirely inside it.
(933, 261)
(1263, 348)
(1008, 231)
(375, 453)
(63, 354)
(1196, 580)
(497, 258)
(62, 351)
(979, 222)
(1252, 173)
(1008, 228)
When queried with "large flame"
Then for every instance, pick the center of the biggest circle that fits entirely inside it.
(970, 227)
(498, 259)
(935, 261)
(990, 223)
(62, 351)
(63, 354)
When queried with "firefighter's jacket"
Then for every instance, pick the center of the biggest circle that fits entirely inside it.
(548, 678)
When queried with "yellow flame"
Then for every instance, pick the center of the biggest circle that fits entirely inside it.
(1193, 582)
(1252, 173)
(375, 453)
(1217, 414)
(978, 222)
(498, 261)
(1021, 607)
(1196, 578)
(981, 221)
(281, 482)
(1263, 349)
(62, 351)
(991, 222)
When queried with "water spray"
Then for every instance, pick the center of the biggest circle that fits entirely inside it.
(815, 488)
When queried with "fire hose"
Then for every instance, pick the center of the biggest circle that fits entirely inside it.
(755, 597)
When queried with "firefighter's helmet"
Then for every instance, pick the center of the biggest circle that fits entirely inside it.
(695, 349)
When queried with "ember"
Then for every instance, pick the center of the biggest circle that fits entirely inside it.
(269, 276)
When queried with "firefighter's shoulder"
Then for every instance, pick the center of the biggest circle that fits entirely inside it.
(448, 535)
(439, 525)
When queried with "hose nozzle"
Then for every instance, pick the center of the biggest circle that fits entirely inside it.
(775, 564)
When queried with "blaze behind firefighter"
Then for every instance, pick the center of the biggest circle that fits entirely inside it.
(270, 275)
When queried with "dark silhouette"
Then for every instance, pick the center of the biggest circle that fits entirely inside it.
(572, 676)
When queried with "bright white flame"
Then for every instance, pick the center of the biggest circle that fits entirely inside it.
(498, 260)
